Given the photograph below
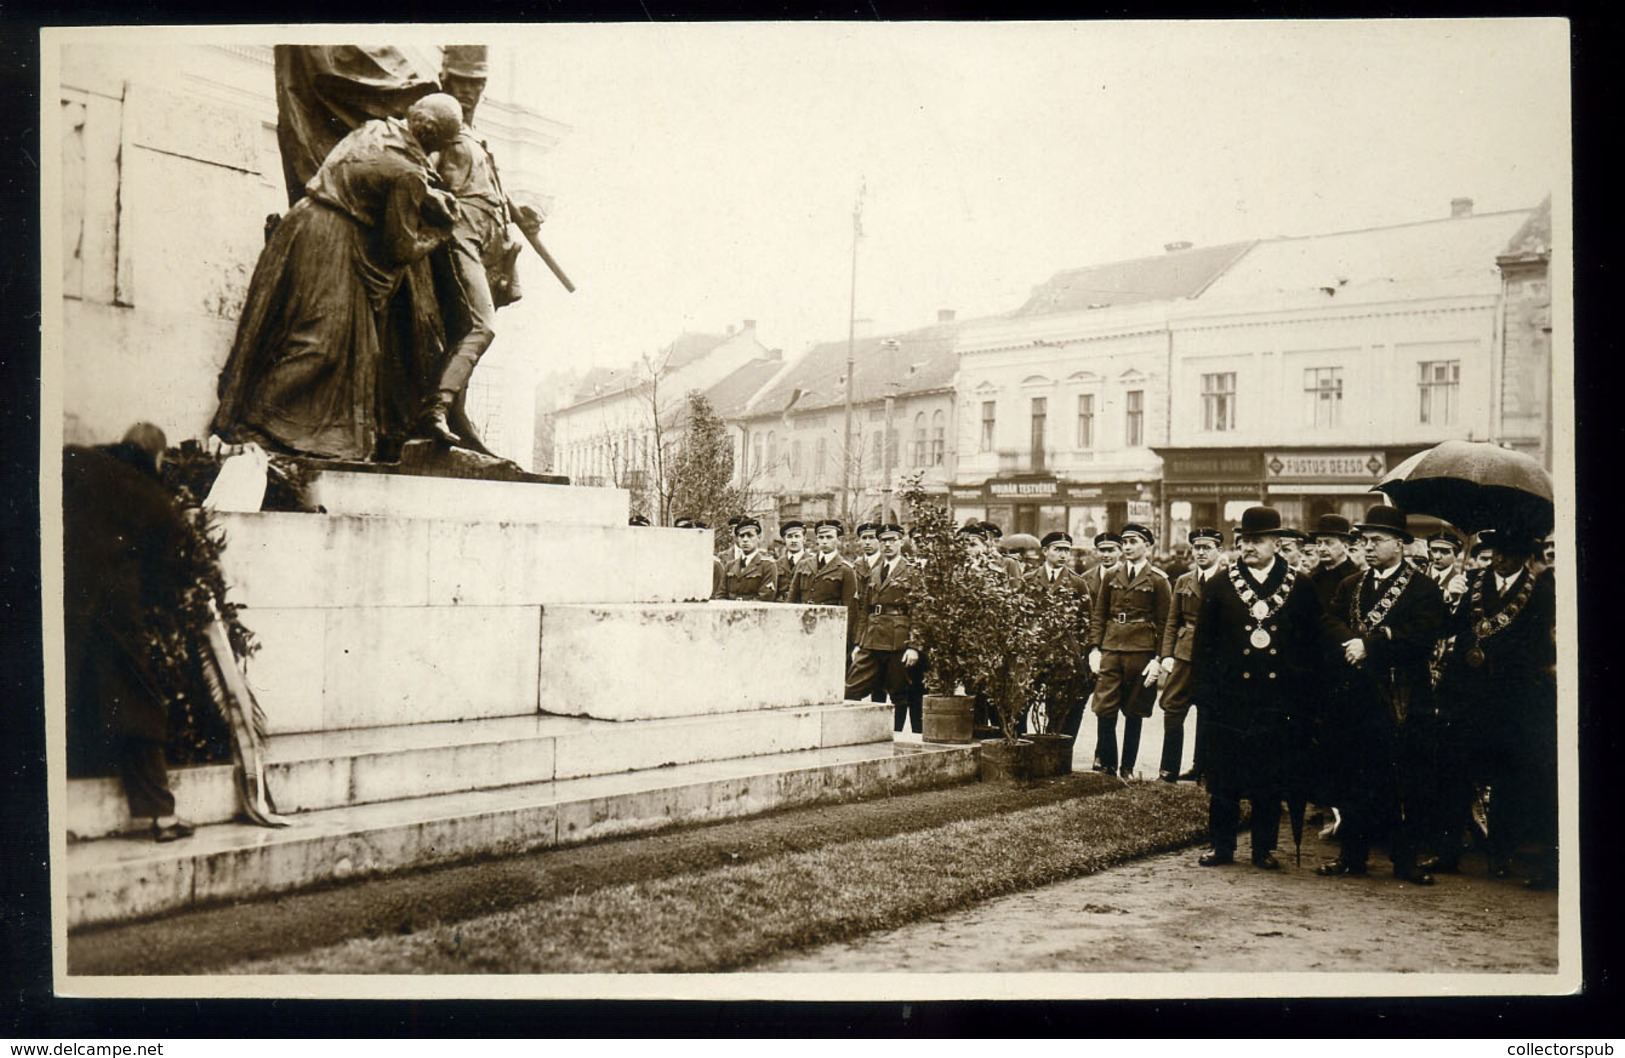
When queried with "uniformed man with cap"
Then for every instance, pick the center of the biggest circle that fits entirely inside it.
(1125, 632)
(1013, 567)
(868, 534)
(1444, 549)
(1254, 656)
(827, 579)
(1109, 547)
(1177, 635)
(1385, 622)
(1066, 693)
(481, 256)
(888, 643)
(794, 535)
(754, 575)
(1295, 550)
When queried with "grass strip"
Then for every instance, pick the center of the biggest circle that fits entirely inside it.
(198, 941)
(728, 917)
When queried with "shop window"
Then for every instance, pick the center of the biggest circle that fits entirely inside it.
(918, 447)
(989, 410)
(1440, 385)
(1086, 421)
(1135, 432)
(1219, 402)
(1324, 385)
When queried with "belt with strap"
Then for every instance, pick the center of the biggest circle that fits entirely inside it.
(1122, 618)
(882, 610)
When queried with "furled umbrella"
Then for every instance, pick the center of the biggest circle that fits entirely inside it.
(1474, 485)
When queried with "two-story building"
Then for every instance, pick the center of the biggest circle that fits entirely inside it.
(608, 434)
(162, 172)
(1062, 403)
(793, 434)
(1313, 365)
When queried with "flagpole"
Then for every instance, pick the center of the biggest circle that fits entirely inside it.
(851, 346)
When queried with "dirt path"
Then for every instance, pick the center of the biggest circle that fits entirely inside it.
(1165, 914)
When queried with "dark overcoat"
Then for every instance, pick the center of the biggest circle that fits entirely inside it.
(1254, 696)
(754, 579)
(834, 585)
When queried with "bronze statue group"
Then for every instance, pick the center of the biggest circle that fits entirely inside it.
(1412, 697)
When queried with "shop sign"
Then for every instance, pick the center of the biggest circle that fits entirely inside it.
(973, 494)
(1211, 466)
(1013, 490)
(1208, 490)
(1325, 466)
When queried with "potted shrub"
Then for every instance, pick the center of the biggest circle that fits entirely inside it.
(1006, 637)
(1059, 674)
(944, 601)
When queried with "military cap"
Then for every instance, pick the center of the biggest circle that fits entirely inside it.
(1333, 525)
(466, 60)
(890, 529)
(1290, 533)
(1386, 519)
(637, 519)
(992, 529)
(1447, 538)
(791, 524)
(1057, 537)
(830, 523)
(1138, 530)
(871, 528)
(1108, 537)
(699, 525)
(735, 520)
(974, 528)
(1206, 532)
(747, 523)
(683, 523)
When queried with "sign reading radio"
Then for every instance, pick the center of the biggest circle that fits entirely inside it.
(1360, 467)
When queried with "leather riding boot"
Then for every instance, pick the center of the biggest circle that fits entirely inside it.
(433, 423)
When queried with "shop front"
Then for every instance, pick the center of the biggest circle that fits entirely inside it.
(1212, 486)
(1040, 504)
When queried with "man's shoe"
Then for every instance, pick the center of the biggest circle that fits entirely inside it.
(172, 832)
(1167, 776)
(1125, 773)
(1267, 862)
(1190, 776)
(1338, 869)
(1215, 859)
(1439, 865)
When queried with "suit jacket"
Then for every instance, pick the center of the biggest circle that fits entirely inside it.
(1393, 679)
(1327, 578)
(1180, 629)
(1512, 693)
(1129, 615)
(754, 579)
(1255, 695)
(894, 630)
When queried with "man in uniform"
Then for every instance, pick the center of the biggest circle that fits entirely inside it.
(1125, 631)
(794, 535)
(481, 255)
(753, 576)
(1177, 635)
(1385, 622)
(1012, 566)
(1444, 549)
(868, 534)
(888, 643)
(1066, 692)
(1254, 654)
(1293, 549)
(828, 579)
(1109, 546)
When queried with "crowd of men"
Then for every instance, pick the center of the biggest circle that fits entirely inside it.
(1397, 683)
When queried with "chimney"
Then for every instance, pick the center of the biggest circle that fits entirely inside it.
(1175, 247)
(750, 325)
(1461, 207)
(945, 315)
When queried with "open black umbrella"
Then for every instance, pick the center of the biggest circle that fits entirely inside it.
(1474, 485)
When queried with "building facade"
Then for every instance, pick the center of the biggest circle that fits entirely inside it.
(165, 172)
(1524, 388)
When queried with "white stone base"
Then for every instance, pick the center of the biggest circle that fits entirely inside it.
(461, 499)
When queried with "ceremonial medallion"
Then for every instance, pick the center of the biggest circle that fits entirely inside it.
(1261, 609)
(1260, 638)
(1484, 628)
(1475, 657)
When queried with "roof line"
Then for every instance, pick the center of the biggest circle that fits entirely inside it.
(1406, 224)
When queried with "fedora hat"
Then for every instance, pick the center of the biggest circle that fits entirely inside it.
(1332, 525)
(1260, 521)
(1384, 519)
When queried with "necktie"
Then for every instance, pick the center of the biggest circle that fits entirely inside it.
(885, 571)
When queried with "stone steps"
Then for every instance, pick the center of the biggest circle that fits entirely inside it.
(122, 879)
(332, 769)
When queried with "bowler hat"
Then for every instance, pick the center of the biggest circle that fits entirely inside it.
(747, 523)
(465, 60)
(1056, 537)
(1260, 521)
(1206, 532)
(1487, 541)
(1138, 530)
(1107, 538)
(1332, 525)
(1384, 519)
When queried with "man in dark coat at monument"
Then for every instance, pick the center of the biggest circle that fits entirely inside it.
(1384, 623)
(1499, 691)
(888, 647)
(1254, 658)
(121, 536)
(752, 577)
(827, 579)
(304, 368)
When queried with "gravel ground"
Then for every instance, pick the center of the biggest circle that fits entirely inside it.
(1166, 914)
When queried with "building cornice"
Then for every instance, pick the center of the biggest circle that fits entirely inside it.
(1290, 317)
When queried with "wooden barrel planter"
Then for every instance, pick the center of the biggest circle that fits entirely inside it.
(1001, 761)
(1052, 755)
(948, 718)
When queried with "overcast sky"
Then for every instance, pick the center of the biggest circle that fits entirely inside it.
(711, 171)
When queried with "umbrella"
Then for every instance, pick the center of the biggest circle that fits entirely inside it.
(1474, 485)
(1019, 542)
